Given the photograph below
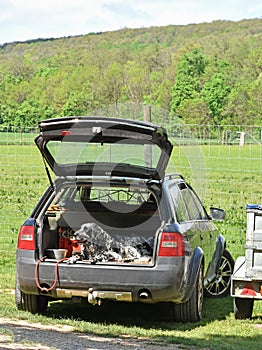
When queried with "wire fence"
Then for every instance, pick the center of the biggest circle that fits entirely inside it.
(223, 163)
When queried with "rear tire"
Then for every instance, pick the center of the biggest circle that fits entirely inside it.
(35, 303)
(220, 287)
(18, 296)
(30, 302)
(243, 308)
(191, 310)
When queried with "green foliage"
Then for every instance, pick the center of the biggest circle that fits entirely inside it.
(188, 75)
(216, 90)
(211, 69)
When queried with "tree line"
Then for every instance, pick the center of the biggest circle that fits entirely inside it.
(209, 73)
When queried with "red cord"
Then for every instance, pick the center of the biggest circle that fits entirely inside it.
(43, 289)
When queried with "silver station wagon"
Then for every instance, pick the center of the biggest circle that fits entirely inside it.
(114, 226)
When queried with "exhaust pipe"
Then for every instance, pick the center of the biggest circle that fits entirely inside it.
(143, 295)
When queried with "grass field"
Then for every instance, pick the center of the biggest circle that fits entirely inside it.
(226, 176)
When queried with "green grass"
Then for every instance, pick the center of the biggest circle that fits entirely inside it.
(230, 179)
(22, 182)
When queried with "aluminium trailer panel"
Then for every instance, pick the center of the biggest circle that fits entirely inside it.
(246, 281)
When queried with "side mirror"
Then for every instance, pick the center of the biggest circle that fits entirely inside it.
(217, 214)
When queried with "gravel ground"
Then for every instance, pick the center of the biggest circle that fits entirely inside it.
(34, 336)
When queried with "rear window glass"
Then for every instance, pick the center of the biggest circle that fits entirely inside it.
(120, 153)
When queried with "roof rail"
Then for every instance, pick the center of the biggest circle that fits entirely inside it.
(174, 176)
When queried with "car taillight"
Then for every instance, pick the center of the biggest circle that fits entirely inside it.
(171, 244)
(26, 238)
(65, 132)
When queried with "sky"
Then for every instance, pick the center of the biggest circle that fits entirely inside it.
(22, 20)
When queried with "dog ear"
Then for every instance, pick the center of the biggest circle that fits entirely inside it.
(85, 228)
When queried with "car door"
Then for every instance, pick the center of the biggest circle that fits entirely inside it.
(198, 214)
(181, 213)
(193, 218)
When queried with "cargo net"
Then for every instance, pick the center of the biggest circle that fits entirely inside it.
(93, 244)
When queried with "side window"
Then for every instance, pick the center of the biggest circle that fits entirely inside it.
(201, 210)
(193, 204)
(186, 203)
(179, 204)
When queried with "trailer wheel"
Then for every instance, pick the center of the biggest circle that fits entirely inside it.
(243, 308)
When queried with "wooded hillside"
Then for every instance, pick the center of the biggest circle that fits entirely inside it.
(209, 73)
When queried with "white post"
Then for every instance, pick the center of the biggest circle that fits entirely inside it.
(241, 138)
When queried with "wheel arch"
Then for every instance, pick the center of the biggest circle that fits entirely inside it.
(197, 262)
(220, 247)
(214, 264)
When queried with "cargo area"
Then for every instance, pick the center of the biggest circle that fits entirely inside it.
(101, 224)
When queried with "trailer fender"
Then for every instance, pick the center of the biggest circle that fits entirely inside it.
(238, 264)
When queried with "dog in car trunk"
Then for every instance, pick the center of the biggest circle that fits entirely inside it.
(98, 245)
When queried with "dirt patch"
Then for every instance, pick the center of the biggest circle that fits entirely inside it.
(35, 336)
(258, 326)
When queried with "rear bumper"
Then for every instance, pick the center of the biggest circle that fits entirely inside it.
(163, 282)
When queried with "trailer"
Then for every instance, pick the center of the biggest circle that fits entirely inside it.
(246, 281)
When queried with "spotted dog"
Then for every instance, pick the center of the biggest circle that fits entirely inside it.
(99, 246)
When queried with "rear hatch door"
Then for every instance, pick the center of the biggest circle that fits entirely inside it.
(100, 146)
